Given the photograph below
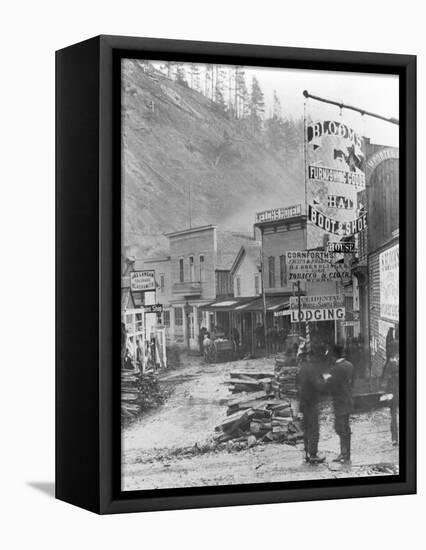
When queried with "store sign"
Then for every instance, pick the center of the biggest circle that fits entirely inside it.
(317, 308)
(279, 213)
(335, 226)
(142, 281)
(153, 308)
(335, 174)
(341, 248)
(314, 266)
(389, 283)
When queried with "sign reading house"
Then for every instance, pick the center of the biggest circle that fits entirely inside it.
(317, 308)
(142, 281)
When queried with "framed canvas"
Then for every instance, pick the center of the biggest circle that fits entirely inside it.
(234, 325)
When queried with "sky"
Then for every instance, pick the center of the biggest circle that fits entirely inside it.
(372, 92)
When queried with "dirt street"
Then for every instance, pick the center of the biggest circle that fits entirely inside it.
(164, 448)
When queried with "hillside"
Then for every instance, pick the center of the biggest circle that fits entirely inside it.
(177, 145)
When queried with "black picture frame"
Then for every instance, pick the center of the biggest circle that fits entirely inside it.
(88, 278)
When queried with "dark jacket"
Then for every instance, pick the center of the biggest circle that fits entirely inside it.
(341, 382)
(391, 378)
(310, 384)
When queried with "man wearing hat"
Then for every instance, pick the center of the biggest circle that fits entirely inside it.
(310, 384)
(340, 380)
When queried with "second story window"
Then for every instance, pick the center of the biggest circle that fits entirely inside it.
(181, 271)
(282, 271)
(202, 269)
(162, 283)
(191, 268)
(256, 285)
(271, 271)
(238, 286)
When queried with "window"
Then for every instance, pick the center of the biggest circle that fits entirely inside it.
(256, 284)
(238, 286)
(191, 268)
(283, 277)
(166, 318)
(181, 271)
(162, 285)
(178, 316)
(202, 269)
(271, 271)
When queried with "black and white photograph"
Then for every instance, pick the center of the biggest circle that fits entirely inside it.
(260, 275)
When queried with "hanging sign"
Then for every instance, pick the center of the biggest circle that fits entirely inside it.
(317, 308)
(334, 226)
(142, 281)
(315, 265)
(334, 177)
(153, 308)
(341, 248)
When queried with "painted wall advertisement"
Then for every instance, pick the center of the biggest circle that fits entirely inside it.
(335, 175)
(389, 283)
(317, 308)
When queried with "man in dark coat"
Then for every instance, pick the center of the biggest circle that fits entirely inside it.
(391, 385)
(340, 380)
(310, 385)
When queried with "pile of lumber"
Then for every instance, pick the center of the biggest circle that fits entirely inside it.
(259, 416)
(139, 392)
(250, 381)
(284, 377)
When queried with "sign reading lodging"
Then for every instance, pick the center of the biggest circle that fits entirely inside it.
(279, 213)
(317, 308)
(142, 281)
(389, 283)
(315, 265)
(341, 248)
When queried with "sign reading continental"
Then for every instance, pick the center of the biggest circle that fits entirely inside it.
(279, 213)
(389, 283)
(142, 281)
(317, 308)
(306, 265)
(334, 226)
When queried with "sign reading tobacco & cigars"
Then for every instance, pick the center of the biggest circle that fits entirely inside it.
(279, 213)
(389, 283)
(305, 265)
(141, 281)
(334, 177)
(317, 308)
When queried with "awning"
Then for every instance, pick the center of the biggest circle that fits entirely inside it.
(273, 303)
(242, 305)
(227, 304)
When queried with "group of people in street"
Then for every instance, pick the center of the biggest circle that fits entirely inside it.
(321, 371)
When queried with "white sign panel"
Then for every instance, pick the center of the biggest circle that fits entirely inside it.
(305, 265)
(142, 281)
(317, 308)
(389, 283)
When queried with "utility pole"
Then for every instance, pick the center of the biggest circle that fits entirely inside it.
(262, 278)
